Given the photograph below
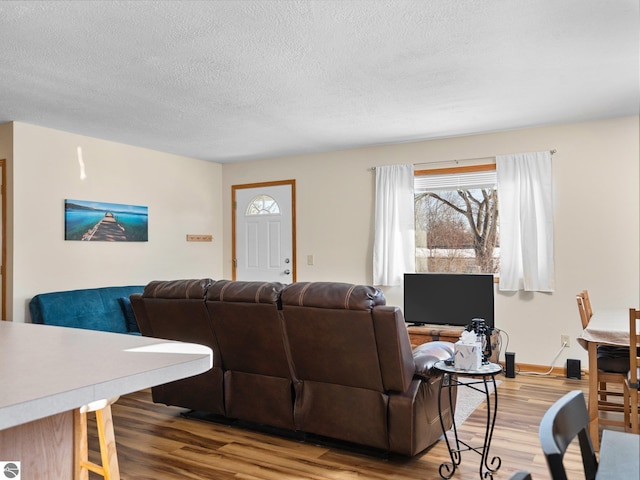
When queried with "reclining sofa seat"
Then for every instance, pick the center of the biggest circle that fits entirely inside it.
(358, 379)
(258, 382)
(176, 310)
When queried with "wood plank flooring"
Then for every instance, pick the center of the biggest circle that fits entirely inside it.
(156, 442)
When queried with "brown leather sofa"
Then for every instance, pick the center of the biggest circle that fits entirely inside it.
(322, 358)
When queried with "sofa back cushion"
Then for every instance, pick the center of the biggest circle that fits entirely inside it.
(248, 327)
(394, 348)
(175, 310)
(359, 340)
(91, 308)
(332, 334)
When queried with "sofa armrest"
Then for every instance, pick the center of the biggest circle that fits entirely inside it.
(426, 355)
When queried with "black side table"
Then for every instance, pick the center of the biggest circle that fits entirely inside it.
(478, 380)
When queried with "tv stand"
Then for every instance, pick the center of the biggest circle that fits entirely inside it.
(419, 334)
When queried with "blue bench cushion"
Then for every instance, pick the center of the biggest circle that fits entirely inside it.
(92, 308)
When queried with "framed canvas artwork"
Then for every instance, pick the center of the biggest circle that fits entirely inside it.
(105, 222)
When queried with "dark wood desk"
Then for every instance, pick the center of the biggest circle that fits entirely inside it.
(619, 456)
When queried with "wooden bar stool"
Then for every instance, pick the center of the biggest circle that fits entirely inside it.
(109, 468)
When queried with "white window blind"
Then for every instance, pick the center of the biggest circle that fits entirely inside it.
(454, 181)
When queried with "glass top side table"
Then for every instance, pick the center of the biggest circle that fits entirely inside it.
(479, 380)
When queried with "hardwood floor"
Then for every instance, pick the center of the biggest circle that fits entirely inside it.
(156, 442)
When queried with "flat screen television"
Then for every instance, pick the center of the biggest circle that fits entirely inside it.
(448, 298)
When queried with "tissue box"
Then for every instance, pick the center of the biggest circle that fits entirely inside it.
(467, 356)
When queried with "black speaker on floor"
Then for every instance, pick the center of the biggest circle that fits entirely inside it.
(510, 361)
(573, 369)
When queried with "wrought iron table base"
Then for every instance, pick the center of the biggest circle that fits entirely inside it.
(449, 381)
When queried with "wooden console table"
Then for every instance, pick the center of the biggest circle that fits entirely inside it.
(419, 334)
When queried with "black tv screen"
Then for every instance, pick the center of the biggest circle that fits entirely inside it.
(448, 298)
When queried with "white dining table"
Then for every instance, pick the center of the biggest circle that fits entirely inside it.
(610, 327)
(606, 327)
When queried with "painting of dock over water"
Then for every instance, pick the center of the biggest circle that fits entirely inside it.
(105, 222)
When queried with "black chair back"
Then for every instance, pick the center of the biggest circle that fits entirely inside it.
(567, 418)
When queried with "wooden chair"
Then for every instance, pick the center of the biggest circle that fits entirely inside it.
(584, 307)
(562, 422)
(109, 468)
(634, 368)
(610, 399)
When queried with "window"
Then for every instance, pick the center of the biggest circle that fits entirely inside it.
(263, 205)
(456, 220)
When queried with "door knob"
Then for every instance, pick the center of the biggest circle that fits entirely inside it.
(287, 271)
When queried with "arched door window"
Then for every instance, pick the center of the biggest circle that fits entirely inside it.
(263, 205)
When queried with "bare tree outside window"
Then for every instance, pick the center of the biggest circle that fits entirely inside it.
(457, 231)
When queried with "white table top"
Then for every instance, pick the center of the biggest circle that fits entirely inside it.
(486, 369)
(45, 370)
(607, 326)
(619, 456)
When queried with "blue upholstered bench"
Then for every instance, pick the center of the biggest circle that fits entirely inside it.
(106, 308)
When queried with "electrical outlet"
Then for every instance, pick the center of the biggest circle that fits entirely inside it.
(564, 340)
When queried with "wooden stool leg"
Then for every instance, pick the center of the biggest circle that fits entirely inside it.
(80, 445)
(108, 452)
(109, 468)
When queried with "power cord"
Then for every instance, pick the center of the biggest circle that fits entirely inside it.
(564, 345)
(506, 347)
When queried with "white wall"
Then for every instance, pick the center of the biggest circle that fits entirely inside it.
(597, 217)
(183, 196)
(597, 220)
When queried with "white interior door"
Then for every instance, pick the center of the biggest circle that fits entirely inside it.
(264, 233)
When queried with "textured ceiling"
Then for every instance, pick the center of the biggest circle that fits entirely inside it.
(238, 80)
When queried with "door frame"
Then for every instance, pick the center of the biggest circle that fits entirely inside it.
(234, 188)
(3, 226)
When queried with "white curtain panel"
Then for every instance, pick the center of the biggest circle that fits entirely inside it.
(394, 243)
(526, 222)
